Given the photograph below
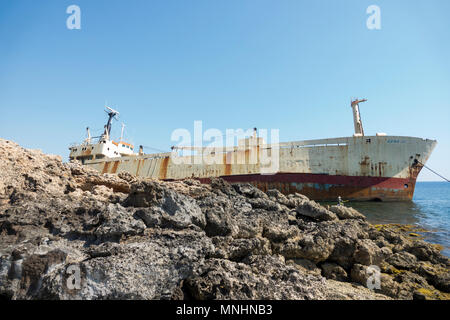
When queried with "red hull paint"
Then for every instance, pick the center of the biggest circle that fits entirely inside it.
(328, 187)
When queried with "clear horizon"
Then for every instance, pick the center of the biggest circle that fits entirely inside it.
(288, 65)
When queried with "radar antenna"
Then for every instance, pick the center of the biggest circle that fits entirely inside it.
(112, 114)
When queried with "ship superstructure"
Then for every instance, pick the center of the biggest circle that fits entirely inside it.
(359, 167)
(105, 148)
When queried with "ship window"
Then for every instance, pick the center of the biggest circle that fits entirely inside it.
(367, 140)
(406, 186)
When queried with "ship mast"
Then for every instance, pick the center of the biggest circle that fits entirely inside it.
(88, 134)
(121, 134)
(359, 131)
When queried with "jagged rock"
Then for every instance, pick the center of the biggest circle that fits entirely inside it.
(402, 260)
(150, 268)
(118, 222)
(314, 210)
(249, 191)
(262, 277)
(166, 207)
(425, 251)
(238, 249)
(367, 253)
(437, 275)
(218, 216)
(346, 213)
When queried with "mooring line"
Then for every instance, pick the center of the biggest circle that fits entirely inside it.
(432, 171)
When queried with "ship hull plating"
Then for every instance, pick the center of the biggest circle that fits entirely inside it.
(329, 188)
(367, 168)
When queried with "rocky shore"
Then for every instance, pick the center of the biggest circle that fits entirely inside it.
(67, 232)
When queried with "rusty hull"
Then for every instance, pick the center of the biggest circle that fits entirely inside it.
(383, 168)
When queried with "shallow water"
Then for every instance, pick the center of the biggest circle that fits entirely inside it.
(430, 209)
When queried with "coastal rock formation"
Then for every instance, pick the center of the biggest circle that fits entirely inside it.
(68, 232)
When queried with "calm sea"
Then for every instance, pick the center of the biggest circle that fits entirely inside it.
(430, 209)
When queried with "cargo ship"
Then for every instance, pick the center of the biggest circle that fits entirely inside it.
(355, 168)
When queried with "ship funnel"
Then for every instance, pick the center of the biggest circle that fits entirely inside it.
(359, 131)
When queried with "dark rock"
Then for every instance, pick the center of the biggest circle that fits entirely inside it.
(402, 260)
(334, 271)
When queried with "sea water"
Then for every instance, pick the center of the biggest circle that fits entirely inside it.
(430, 209)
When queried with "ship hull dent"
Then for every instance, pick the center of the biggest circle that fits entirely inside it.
(322, 187)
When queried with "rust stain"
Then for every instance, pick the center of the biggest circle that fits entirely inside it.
(163, 169)
(228, 160)
(115, 166)
(258, 160)
(381, 168)
(227, 163)
(365, 161)
(139, 166)
(105, 167)
(365, 166)
(227, 169)
(414, 171)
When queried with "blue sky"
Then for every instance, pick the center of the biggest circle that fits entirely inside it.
(288, 64)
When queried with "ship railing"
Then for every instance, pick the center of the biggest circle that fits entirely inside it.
(209, 150)
(315, 143)
(282, 145)
(154, 155)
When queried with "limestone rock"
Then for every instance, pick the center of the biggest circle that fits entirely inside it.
(314, 210)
